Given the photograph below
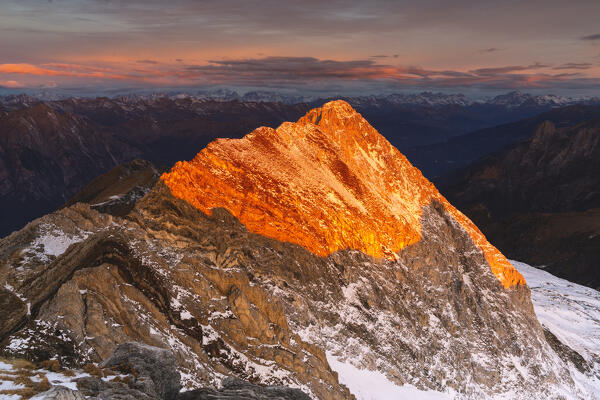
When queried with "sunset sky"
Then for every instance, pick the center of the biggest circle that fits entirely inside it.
(303, 46)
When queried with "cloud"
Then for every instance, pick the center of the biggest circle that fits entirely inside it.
(309, 74)
(67, 70)
(574, 66)
(290, 70)
(595, 36)
(307, 71)
(11, 84)
(147, 62)
(385, 56)
(503, 70)
(490, 50)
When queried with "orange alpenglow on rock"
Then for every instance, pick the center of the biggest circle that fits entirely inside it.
(327, 182)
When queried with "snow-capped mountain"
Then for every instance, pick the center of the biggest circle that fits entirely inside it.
(510, 100)
(519, 99)
(265, 258)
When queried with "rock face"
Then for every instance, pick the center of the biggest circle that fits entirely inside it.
(539, 201)
(231, 300)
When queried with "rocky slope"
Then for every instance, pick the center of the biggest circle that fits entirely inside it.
(539, 201)
(257, 285)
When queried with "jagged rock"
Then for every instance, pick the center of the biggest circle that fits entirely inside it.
(151, 373)
(235, 389)
(59, 393)
(155, 368)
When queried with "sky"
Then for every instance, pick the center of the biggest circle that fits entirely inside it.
(308, 46)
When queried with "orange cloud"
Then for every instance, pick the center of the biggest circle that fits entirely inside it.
(27, 69)
(71, 70)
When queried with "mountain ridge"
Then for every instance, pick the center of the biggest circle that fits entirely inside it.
(364, 180)
(538, 200)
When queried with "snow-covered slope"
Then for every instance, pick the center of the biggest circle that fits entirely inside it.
(570, 311)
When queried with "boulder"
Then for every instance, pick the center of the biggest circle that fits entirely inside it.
(155, 369)
(59, 393)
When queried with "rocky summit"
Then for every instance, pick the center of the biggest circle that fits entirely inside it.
(275, 257)
(328, 182)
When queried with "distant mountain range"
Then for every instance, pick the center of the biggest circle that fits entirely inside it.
(439, 159)
(510, 99)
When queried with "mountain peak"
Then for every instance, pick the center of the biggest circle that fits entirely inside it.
(328, 182)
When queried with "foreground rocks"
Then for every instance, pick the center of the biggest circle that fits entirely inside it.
(59, 393)
(156, 369)
(138, 371)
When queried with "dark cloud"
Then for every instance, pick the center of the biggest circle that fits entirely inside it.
(512, 68)
(489, 50)
(385, 56)
(286, 70)
(310, 74)
(574, 66)
(147, 62)
(591, 37)
(304, 72)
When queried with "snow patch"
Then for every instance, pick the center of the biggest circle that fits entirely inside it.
(52, 242)
(185, 314)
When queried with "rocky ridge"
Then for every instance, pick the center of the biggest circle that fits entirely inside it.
(325, 183)
(230, 301)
